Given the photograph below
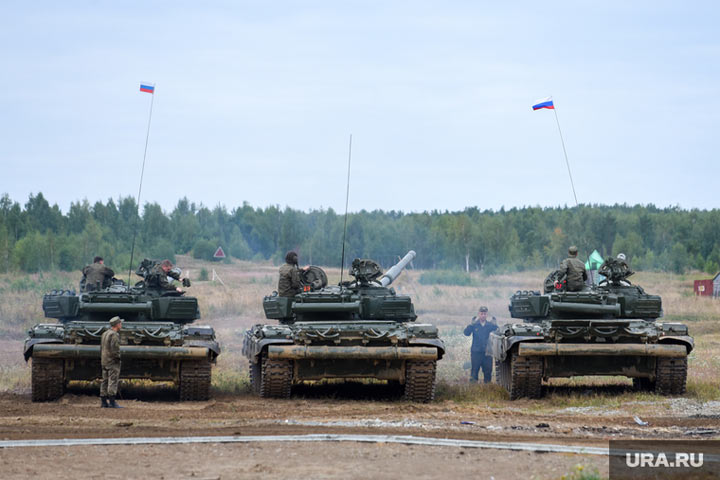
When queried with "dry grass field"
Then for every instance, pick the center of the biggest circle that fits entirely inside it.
(236, 303)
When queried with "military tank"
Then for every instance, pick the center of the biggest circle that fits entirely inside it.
(356, 330)
(604, 329)
(158, 340)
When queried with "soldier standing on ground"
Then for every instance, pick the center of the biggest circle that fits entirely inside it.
(158, 276)
(289, 282)
(110, 361)
(480, 330)
(574, 270)
(96, 275)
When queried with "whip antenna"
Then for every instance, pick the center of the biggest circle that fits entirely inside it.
(347, 198)
(148, 88)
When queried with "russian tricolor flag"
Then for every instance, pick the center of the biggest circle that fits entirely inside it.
(147, 87)
(544, 103)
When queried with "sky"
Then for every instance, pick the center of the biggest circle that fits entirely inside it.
(256, 101)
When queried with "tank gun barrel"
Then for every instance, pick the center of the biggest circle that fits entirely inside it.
(395, 271)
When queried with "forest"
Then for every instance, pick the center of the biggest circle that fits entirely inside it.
(37, 236)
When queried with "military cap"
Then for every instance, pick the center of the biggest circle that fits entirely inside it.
(115, 320)
(483, 309)
(572, 250)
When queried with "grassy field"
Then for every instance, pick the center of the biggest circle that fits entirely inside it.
(234, 304)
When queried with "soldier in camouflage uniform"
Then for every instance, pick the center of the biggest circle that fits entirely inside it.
(97, 275)
(574, 270)
(158, 275)
(110, 361)
(289, 282)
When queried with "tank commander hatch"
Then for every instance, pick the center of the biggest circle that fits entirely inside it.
(289, 283)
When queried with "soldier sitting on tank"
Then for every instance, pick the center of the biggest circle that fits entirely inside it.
(96, 276)
(574, 270)
(289, 283)
(158, 275)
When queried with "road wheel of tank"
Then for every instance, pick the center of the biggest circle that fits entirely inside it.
(195, 378)
(275, 378)
(255, 374)
(48, 379)
(641, 384)
(526, 374)
(670, 375)
(420, 381)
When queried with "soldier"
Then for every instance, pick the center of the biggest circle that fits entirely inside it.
(158, 275)
(574, 270)
(97, 275)
(480, 330)
(289, 281)
(110, 361)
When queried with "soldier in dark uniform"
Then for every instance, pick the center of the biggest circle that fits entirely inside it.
(574, 270)
(289, 281)
(158, 275)
(110, 361)
(97, 275)
(480, 330)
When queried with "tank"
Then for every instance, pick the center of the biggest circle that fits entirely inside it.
(158, 340)
(360, 329)
(605, 329)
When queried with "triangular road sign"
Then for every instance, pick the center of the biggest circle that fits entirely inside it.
(219, 253)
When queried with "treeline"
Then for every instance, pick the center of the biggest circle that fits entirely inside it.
(38, 236)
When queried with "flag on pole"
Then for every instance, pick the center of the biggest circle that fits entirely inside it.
(544, 103)
(147, 87)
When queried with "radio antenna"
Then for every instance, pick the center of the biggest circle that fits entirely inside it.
(347, 198)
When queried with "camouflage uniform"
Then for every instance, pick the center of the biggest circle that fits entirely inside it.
(289, 282)
(157, 278)
(479, 360)
(576, 273)
(110, 361)
(96, 276)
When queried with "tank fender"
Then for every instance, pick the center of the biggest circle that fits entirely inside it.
(429, 342)
(211, 345)
(499, 346)
(29, 343)
(679, 340)
(253, 348)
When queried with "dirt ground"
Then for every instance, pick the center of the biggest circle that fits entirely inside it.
(319, 409)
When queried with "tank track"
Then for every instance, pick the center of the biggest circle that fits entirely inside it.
(526, 375)
(255, 373)
(275, 378)
(670, 376)
(502, 373)
(420, 381)
(195, 377)
(48, 379)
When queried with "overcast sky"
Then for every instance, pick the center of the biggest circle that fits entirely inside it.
(255, 101)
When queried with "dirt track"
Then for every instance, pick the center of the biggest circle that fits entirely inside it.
(77, 415)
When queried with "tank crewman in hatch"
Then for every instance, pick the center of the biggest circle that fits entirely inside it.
(480, 330)
(110, 362)
(289, 281)
(574, 270)
(158, 277)
(97, 275)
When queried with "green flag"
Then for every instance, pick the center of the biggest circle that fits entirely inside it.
(594, 261)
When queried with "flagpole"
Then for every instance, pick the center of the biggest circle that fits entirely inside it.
(142, 173)
(567, 162)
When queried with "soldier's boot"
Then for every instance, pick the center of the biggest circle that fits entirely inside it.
(113, 404)
(104, 402)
